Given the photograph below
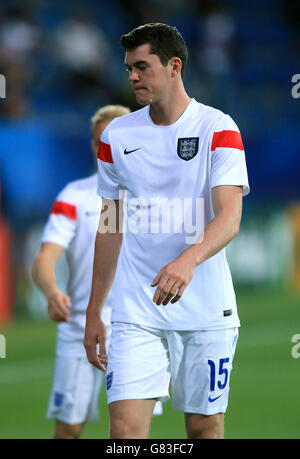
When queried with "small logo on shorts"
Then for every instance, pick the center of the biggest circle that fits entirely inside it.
(227, 312)
(210, 399)
(109, 380)
(58, 399)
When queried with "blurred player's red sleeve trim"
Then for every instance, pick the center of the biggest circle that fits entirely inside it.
(227, 139)
(69, 210)
(104, 152)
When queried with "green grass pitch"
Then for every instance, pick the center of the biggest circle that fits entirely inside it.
(264, 395)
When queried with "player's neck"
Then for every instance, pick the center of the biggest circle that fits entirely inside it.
(167, 110)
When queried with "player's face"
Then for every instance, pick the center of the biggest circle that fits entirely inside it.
(98, 129)
(149, 78)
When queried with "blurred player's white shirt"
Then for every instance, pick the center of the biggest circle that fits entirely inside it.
(201, 150)
(73, 224)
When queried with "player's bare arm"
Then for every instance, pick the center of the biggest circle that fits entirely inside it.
(43, 273)
(172, 279)
(107, 249)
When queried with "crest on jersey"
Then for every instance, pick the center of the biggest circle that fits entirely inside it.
(187, 147)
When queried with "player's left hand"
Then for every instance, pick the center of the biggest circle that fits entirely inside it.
(172, 280)
(95, 333)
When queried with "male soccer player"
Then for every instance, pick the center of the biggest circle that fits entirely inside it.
(71, 227)
(175, 311)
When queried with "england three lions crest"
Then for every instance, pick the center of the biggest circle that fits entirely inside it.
(187, 147)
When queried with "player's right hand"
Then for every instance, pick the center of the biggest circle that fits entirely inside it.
(59, 307)
(95, 333)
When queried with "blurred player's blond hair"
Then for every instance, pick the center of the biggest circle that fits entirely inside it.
(108, 113)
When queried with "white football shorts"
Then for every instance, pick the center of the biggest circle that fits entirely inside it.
(74, 397)
(142, 361)
(75, 391)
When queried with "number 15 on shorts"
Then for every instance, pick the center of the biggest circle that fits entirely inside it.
(219, 374)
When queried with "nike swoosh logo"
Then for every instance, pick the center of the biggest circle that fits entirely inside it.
(210, 399)
(130, 151)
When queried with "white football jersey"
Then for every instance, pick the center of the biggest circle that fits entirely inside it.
(166, 174)
(73, 224)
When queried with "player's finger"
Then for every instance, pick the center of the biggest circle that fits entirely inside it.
(63, 311)
(55, 317)
(97, 363)
(61, 308)
(103, 358)
(61, 318)
(57, 314)
(159, 292)
(102, 346)
(67, 301)
(159, 288)
(171, 294)
(64, 303)
(156, 279)
(58, 305)
(92, 356)
(102, 350)
(166, 291)
(178, 295)
(101, 363)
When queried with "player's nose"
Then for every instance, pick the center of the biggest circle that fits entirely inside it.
(134, 75)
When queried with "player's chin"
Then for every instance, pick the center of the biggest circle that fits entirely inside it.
(142, 99)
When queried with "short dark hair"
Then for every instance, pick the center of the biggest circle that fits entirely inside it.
(165, 41)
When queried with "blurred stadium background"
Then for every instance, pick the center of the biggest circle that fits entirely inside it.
(61, 61)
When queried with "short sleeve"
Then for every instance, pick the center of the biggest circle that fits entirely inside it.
(228, 163)
(108, 180)
(62, 222)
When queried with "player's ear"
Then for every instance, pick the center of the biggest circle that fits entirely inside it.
(176, 66)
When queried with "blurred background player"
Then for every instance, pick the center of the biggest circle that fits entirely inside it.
(71, 227)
